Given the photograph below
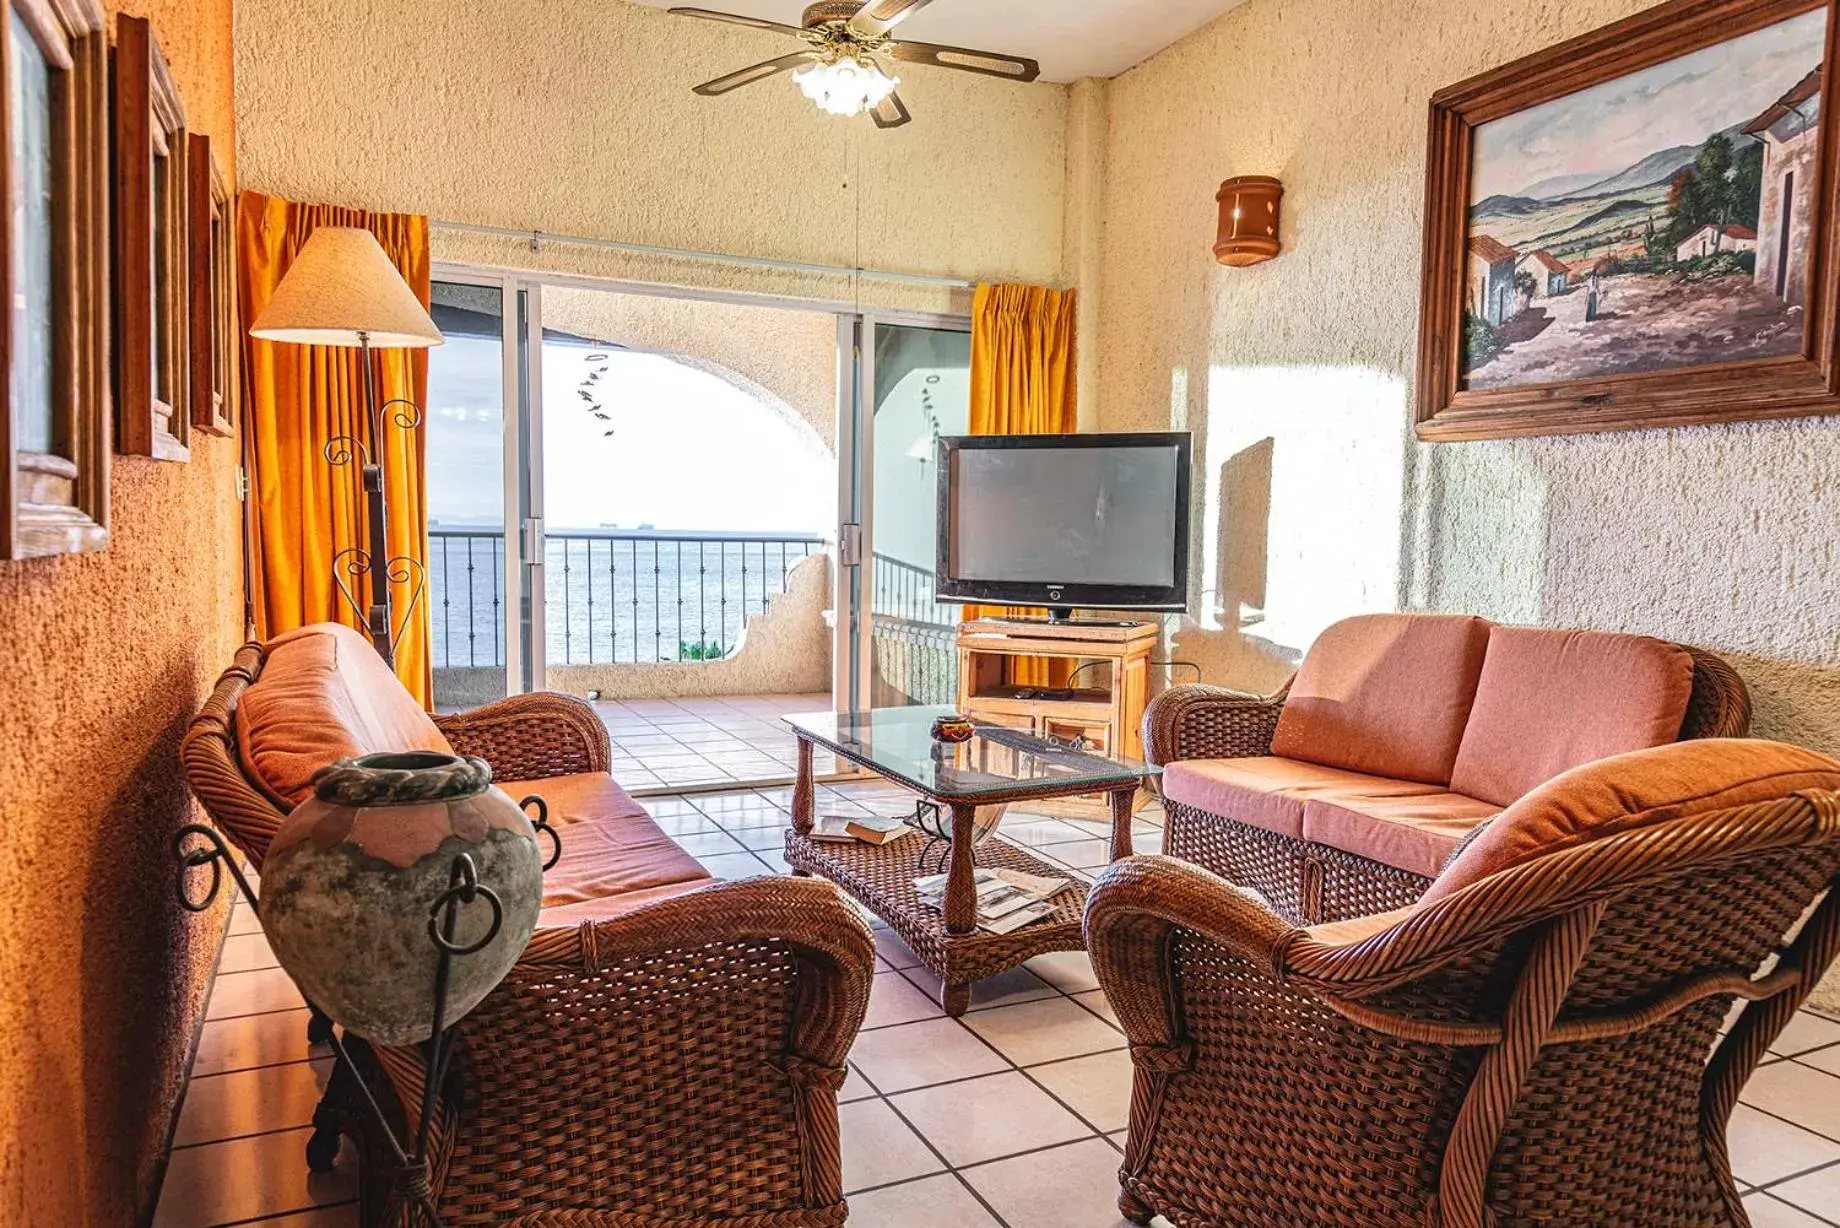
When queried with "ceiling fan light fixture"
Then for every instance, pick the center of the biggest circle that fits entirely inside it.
(845, 85)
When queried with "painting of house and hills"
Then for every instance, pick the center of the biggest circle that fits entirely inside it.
(1656, 221)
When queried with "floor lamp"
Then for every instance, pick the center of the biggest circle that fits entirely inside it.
(342, 290)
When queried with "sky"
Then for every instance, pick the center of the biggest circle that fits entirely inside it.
(689, 450)
(1610, 127)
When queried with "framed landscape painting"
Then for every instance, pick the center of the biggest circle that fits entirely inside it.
(1635, 228)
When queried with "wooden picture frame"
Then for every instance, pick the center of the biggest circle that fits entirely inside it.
(54, 453)
(152, 312)
(213, 291)
(1449, 406)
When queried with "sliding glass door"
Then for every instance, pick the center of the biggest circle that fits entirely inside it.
(647, 499)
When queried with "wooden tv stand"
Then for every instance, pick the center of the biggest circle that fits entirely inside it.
(1106, 706)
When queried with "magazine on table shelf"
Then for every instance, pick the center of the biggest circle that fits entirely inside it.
(1007, 900)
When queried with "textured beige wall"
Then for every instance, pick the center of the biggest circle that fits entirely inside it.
(1296, 375)
(578, 119)
(108, 655)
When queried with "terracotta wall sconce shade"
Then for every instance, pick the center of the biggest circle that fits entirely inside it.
(1248, 220)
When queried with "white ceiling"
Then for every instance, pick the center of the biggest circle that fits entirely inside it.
(1071, 38)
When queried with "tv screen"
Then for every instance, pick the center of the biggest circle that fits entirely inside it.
(1098, 521)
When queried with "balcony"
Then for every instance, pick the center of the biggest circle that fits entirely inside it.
(691, 644)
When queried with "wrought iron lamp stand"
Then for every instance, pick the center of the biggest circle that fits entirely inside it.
(354, 564)
(411, 1175)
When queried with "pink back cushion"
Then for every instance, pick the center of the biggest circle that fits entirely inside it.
(1386, 694)
(1551, 700)
(1631, 791)
(323, 695)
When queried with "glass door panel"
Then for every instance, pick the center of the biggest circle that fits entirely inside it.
(921, 390)
(468, 596)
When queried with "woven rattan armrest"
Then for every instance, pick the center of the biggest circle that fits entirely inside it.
(1210, 722)
(530, 737)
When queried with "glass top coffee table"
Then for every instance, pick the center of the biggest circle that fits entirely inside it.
(998, 766)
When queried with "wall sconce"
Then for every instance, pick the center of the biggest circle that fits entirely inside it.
(1248, 220)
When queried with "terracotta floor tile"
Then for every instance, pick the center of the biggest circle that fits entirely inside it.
(246, 953)
(247, 1178)
(1044, 1031)
(1095, 1001)
(1818, 1193)
(343, 1216)
(1075, 1186)
(879, 1148)
(708, 844)
(250, 1102)
(1805, 1032)
(1067, 971)
(1797, 1093)
(932, 1202)
(983, 1119)
(855, 1087)
(914, 1055)
(735, 865)
(893, 1000)
(244, 921)
(1097, 1086)
(1768, 1212)
(252, 1040)
(251, 993)
(897, 953)
(1015, 985)
(1765, 1149)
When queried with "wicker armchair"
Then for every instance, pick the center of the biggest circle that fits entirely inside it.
(1308, 882)
(1528, 1050)
(675, 1065)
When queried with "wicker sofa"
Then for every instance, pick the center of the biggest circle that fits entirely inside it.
(668, 1050)
(1400, 736)
(1526, 1045)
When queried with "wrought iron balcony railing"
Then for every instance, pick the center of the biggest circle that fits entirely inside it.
(611, 596)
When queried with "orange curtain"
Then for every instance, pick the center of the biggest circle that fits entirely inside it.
(302, 510)
(1023, 348)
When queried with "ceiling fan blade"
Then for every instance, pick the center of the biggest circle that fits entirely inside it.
(891, 112)
(739, 20)
(752, 73)
(992, 63)
(880, 16)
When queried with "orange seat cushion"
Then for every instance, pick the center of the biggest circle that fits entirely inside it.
(1415, 834)
(1385, 694)
(324, 695)
(1551, 700)
(1631, 791)
(1271, 792)
(611, 850)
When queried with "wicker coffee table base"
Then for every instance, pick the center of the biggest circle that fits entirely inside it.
(948, 942)
(882, 878)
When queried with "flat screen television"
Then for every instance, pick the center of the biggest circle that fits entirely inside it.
(1098, 522)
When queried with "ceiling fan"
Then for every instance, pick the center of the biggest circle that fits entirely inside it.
(847, 66)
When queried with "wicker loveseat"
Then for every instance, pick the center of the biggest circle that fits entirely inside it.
(1526, 1045)
(669, 1048)
(1401, 734)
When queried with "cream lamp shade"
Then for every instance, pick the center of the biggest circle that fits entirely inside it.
(342, 290)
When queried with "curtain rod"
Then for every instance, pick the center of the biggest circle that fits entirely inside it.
(536, 238)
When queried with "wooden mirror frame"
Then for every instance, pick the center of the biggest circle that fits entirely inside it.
(150, 140)
(58, 503)
(1789, 386)
(213, 299)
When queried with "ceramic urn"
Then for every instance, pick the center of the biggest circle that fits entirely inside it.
(354, 875)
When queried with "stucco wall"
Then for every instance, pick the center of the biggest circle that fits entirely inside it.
(108, 656)
(578, 119)
(1296, 375)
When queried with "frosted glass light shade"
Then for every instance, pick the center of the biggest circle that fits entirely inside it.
(343, 290)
